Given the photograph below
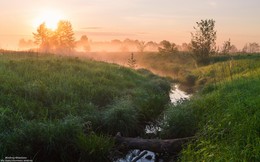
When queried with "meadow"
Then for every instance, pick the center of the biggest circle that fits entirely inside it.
(65, 108)
(60, 108)
(223, 115)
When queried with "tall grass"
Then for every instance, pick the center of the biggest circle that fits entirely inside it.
(55, 108)
(181, 68)
(223, 115)
(229, 123)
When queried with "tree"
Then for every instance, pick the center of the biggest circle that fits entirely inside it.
(84, 43)
(43, 38)
(167, 47)
(64, 36)
(132, 61)
(233, 49)
(140, 46)
(151, 46)
(251, 48)
(203, 41)
(60, 40)
(226, 47)
(185, 47)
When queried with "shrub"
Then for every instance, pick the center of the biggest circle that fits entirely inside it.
(190, 80)
(179, 121)
(121, 117)
(151, 107)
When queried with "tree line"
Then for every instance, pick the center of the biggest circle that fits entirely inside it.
(202, 45)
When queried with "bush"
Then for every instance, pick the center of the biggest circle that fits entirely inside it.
(190, 80)
(179, 121)
(121, 117)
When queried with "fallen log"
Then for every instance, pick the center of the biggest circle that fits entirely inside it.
(170, 146)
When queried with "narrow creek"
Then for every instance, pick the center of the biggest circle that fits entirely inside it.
(176, 95)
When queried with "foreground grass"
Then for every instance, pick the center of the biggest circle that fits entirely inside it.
(224, 116)
(228, 123)
(66, 109)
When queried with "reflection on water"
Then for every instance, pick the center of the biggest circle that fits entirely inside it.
(134, 155)
(176, 95)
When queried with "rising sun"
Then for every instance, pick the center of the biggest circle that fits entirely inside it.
(50, 18)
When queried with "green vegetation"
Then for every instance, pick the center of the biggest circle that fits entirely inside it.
(224, 116)
(174, 65)
(203, 41)
(55, 108)
(182, 68)
(65, 109)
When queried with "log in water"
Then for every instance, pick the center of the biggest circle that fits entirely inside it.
(176, 95)
(170, 146)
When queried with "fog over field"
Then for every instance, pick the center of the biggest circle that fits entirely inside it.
(129, 80)
(146, 20)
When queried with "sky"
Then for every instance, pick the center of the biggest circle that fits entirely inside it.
(147, 20)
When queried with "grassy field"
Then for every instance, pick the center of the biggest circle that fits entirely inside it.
(182, 68)
(223, 115)
(55, 108)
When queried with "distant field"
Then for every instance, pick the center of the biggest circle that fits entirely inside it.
(181, 67)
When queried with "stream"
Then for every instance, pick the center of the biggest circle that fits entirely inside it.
(176, 96)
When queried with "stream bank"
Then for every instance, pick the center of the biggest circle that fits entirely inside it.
(176, 96)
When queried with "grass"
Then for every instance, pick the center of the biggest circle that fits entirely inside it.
(174, 65)
(228, 123)
(224, 115)
(67, 109)
(182, 69)
(57, 108)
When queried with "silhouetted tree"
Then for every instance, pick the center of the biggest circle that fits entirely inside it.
(141, 46)
(60, 40)
(84, 42)
(226, 47)
(64, 37)
(186, 47)
(132, 61)
(152, 46)
(251, 48)
(167, 47)
(116, 42)
(203, 41)
(43, 38)
(233, 49)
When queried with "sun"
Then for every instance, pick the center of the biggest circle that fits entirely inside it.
(50, 18)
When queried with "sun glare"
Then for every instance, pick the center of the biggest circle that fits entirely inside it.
(50, 18)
